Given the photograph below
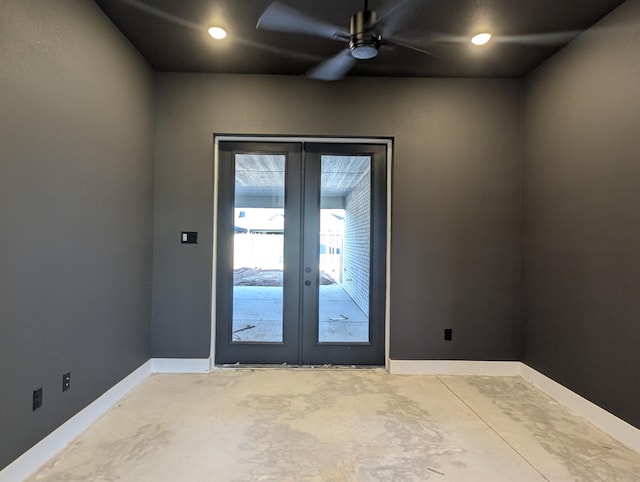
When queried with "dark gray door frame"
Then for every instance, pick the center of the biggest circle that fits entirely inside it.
(382, 183)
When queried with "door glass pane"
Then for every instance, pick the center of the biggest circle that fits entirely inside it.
(258, 248)
(344, 253)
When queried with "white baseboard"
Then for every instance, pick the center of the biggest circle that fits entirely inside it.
(454, 367)
(605, 421)
(41, 452)
(180, 365)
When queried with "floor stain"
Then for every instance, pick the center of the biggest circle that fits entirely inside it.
(279, 447)
(588, 454)
(114, 455)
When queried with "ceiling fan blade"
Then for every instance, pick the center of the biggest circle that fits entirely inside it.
(541, 39)
(278, 51)
(156, 12)
(333, 68)
(282, 18)
(394, 15)
(532, 39)
(408, 45)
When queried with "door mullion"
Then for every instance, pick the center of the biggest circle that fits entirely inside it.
(293, 254)
(310, 240)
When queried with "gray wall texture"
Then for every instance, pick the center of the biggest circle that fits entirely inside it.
(456, 207)
(76, 184)
(581, 229)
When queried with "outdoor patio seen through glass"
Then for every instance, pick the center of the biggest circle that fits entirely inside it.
(343, 257)
(258, 248)
(344, 248)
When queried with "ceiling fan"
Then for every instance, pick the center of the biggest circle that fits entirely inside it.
(368, 32)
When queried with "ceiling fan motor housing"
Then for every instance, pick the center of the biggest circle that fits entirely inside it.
(364, 42)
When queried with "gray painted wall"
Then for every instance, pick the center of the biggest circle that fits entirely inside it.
(581, 229)
(76, 184)
(456, 205)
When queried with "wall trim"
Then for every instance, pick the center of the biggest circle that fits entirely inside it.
(180, 365)
(49, 446)
(454, 367)
(388, 141)
(605, 421)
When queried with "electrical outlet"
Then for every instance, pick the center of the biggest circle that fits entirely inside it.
(37, 399)
(448, 334)
(66, 381)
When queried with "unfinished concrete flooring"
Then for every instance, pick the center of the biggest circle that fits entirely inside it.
(339, 425)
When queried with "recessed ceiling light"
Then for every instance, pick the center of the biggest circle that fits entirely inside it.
(481, 38)
(217, 33)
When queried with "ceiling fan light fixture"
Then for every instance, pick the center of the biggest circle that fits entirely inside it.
(364, 51)
(217, 33)
(481, 39)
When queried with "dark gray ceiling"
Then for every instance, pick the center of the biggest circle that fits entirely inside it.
(172, 35)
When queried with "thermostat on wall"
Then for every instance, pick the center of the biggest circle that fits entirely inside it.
(189, 237)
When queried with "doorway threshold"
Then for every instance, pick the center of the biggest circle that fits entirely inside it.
(286, 366)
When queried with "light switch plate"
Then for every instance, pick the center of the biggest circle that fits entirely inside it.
(189, 237)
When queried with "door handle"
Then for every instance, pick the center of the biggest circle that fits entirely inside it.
(307, 283)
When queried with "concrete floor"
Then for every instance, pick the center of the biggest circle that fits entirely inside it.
(257, 315)
(339, 425)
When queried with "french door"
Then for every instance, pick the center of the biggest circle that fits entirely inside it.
(301, 253)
